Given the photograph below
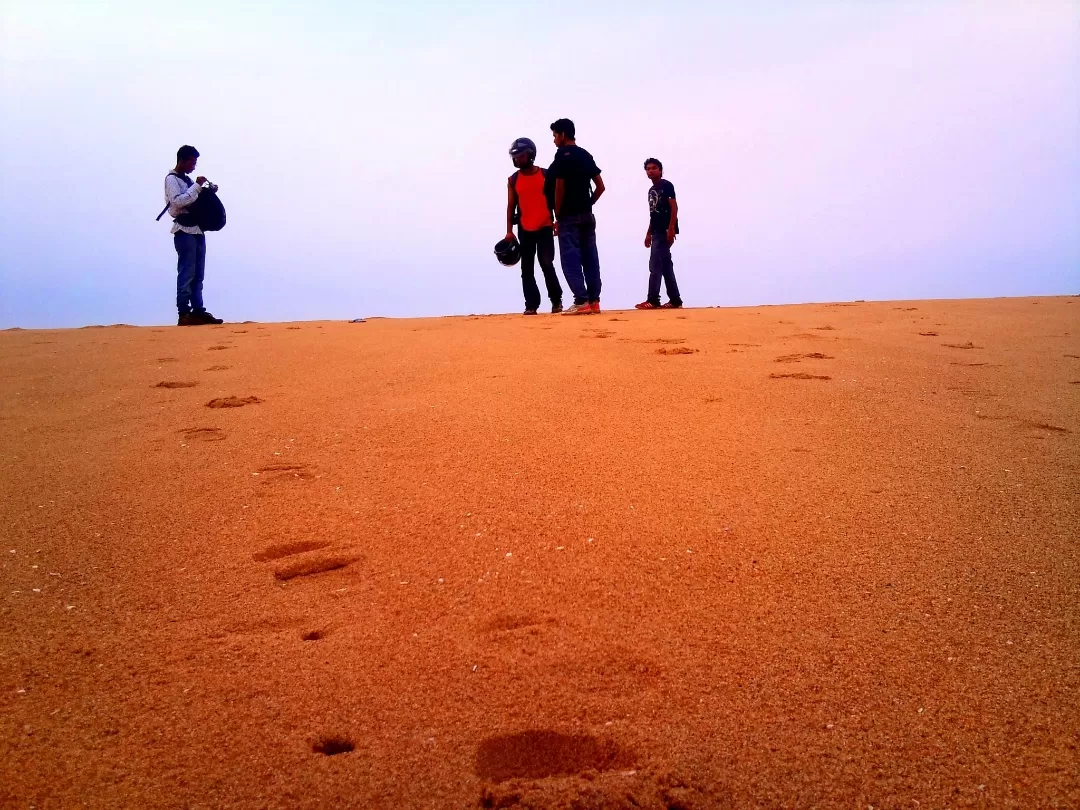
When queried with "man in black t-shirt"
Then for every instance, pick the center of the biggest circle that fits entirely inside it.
(575, 174)
(663, 226)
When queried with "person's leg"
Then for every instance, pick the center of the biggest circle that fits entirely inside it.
(185, 270)
(656, 268)
(545, 251)
(199, 274)
(590, 259)
(570, 258)
(527, 240)
(670, 283)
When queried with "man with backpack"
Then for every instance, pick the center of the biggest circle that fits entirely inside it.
(528, 203)
(578, 186)
(188, 238)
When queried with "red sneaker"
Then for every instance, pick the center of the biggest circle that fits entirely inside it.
(579, 309)
(646, 305)
(595, 308)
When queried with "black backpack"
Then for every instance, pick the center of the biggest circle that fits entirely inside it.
(207, 212)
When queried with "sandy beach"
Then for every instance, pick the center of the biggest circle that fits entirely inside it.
(766, 557)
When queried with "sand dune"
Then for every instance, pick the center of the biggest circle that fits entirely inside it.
(803, 556)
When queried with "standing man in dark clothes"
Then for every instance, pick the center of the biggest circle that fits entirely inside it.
(188, 239)
(663, 226)
(575, 173)
(528, 204)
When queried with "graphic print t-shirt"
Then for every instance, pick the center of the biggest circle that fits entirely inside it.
(576, 168)
(660, 197)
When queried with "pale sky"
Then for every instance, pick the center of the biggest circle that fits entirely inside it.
(821, 151)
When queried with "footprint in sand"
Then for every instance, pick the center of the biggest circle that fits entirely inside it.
(929, 334)
(218, 368)
(795, 358)
(968, 345)
(217, 348)
(1048, 426)
(311, 566)
(282, 550)
(542, 754)
(510, 622)
(670, 341)
(280, 472)
(332, 745)
(677, 350)
(825, 328)
(232, 402)
(167, 360)
(206, 434)
(616, 319)
(799, 376)
(175, 384)
(292, 327)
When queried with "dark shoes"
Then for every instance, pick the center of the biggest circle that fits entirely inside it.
(197, 319)
(529, 312)
(556, 307)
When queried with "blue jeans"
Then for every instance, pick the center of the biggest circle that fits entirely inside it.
(660, 266)
(578, 256)
(190, 269)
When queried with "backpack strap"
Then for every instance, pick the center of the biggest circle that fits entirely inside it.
(186, 180)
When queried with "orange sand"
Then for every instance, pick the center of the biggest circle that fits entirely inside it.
(828, 558)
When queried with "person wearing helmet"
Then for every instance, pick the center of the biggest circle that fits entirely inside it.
(529, 205)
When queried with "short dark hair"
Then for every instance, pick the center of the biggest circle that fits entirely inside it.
(564, 126)
(659, 165)
(186, 152)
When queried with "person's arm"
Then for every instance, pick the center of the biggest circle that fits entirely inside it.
(177, 195)
(598, 181)
(560, 190)
(674, 217)
(511, 204)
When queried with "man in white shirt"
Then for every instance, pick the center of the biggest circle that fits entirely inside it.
(188, 239)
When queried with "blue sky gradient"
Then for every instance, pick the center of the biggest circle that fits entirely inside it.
(820, 150)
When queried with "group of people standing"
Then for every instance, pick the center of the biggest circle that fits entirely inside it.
(559, 203)
(543, 204)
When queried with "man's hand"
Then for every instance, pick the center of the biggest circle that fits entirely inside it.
(648, 239)
(671, 236)
(510, 236)
(200, 180)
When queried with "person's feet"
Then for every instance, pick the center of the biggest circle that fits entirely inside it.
(529, 312)
(187, 319)
(595, 307)
(205, 317)
(672, 305)
(556, 307)
(579, 309)
(646, 305)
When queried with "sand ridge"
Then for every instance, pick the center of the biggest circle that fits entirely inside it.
(822, 558)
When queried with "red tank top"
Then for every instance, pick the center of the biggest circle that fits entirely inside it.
(534, 208)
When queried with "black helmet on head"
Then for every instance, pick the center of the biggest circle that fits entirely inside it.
(523, 146)
(508, 252)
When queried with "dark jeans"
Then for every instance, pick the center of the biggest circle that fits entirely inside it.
(538, 244)
(190, 269)
(577, 253)
(660, 266)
